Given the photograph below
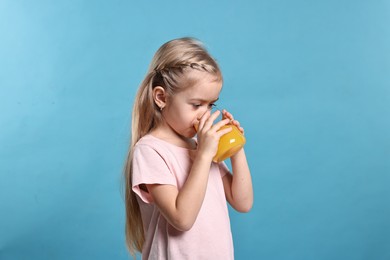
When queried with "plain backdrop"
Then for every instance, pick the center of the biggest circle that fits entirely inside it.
(308, 80)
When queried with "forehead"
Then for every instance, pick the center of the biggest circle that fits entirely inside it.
(205, 86)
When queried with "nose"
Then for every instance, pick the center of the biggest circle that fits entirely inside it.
(202, 112)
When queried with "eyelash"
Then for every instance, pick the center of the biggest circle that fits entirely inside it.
(199, 105)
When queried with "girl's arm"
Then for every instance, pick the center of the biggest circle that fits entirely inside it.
(238, 186)
(181, 207)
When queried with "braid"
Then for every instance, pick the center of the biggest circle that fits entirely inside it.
(192, 65)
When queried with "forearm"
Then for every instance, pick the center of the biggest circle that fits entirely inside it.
(241, 184)
(191, 196)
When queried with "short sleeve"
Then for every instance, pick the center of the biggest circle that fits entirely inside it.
(223, 169)
(149, 167)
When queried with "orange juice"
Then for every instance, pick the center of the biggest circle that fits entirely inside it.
(229, 144)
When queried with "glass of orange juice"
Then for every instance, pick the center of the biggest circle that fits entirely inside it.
(229, 143)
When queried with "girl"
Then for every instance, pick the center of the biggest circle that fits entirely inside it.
(175, 195)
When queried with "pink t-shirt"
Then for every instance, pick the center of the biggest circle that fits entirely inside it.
(158, 162)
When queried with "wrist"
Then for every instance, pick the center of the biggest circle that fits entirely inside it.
(205, 153)
(203, 157)
(237, 155)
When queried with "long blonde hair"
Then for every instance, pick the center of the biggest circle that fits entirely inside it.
(168, 69)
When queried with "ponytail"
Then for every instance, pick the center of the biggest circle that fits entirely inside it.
(143, 106)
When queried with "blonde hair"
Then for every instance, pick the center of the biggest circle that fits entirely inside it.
(169, 69)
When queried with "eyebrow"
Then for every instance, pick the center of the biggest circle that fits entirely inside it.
(203, 100)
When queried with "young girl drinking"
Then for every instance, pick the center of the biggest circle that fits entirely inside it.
(175, 194)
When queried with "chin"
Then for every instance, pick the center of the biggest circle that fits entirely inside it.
(192, 136)
(189, 135)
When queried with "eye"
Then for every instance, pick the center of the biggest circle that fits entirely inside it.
(212, 105)
(198, 105)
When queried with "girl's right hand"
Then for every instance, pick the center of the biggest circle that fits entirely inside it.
(209, 133)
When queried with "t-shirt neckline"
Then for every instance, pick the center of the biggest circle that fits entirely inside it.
(173, 145)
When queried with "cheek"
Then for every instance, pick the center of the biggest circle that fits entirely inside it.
(185, 118)
(179, 119)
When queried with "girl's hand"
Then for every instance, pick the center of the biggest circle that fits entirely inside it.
(227, 115)
(209, 133)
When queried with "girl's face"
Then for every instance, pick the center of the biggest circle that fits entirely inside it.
(184, 109)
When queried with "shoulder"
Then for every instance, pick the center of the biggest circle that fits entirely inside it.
(149, 142)
(148, 155)
(152, 147)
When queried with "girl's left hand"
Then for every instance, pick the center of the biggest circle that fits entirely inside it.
(226, 114)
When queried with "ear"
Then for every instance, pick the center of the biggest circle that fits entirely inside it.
(159, 96)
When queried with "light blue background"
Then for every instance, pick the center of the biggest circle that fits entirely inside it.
(309, 81)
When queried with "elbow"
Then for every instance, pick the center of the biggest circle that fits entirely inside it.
(184, 227)
(245, 209)
(183, 224)
(244, 206)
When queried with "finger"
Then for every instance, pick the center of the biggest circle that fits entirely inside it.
(209, 122)
(203, 119)
(224, 112)
(228, 115)
(236, 123)
(220, 124)
(224, 131)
